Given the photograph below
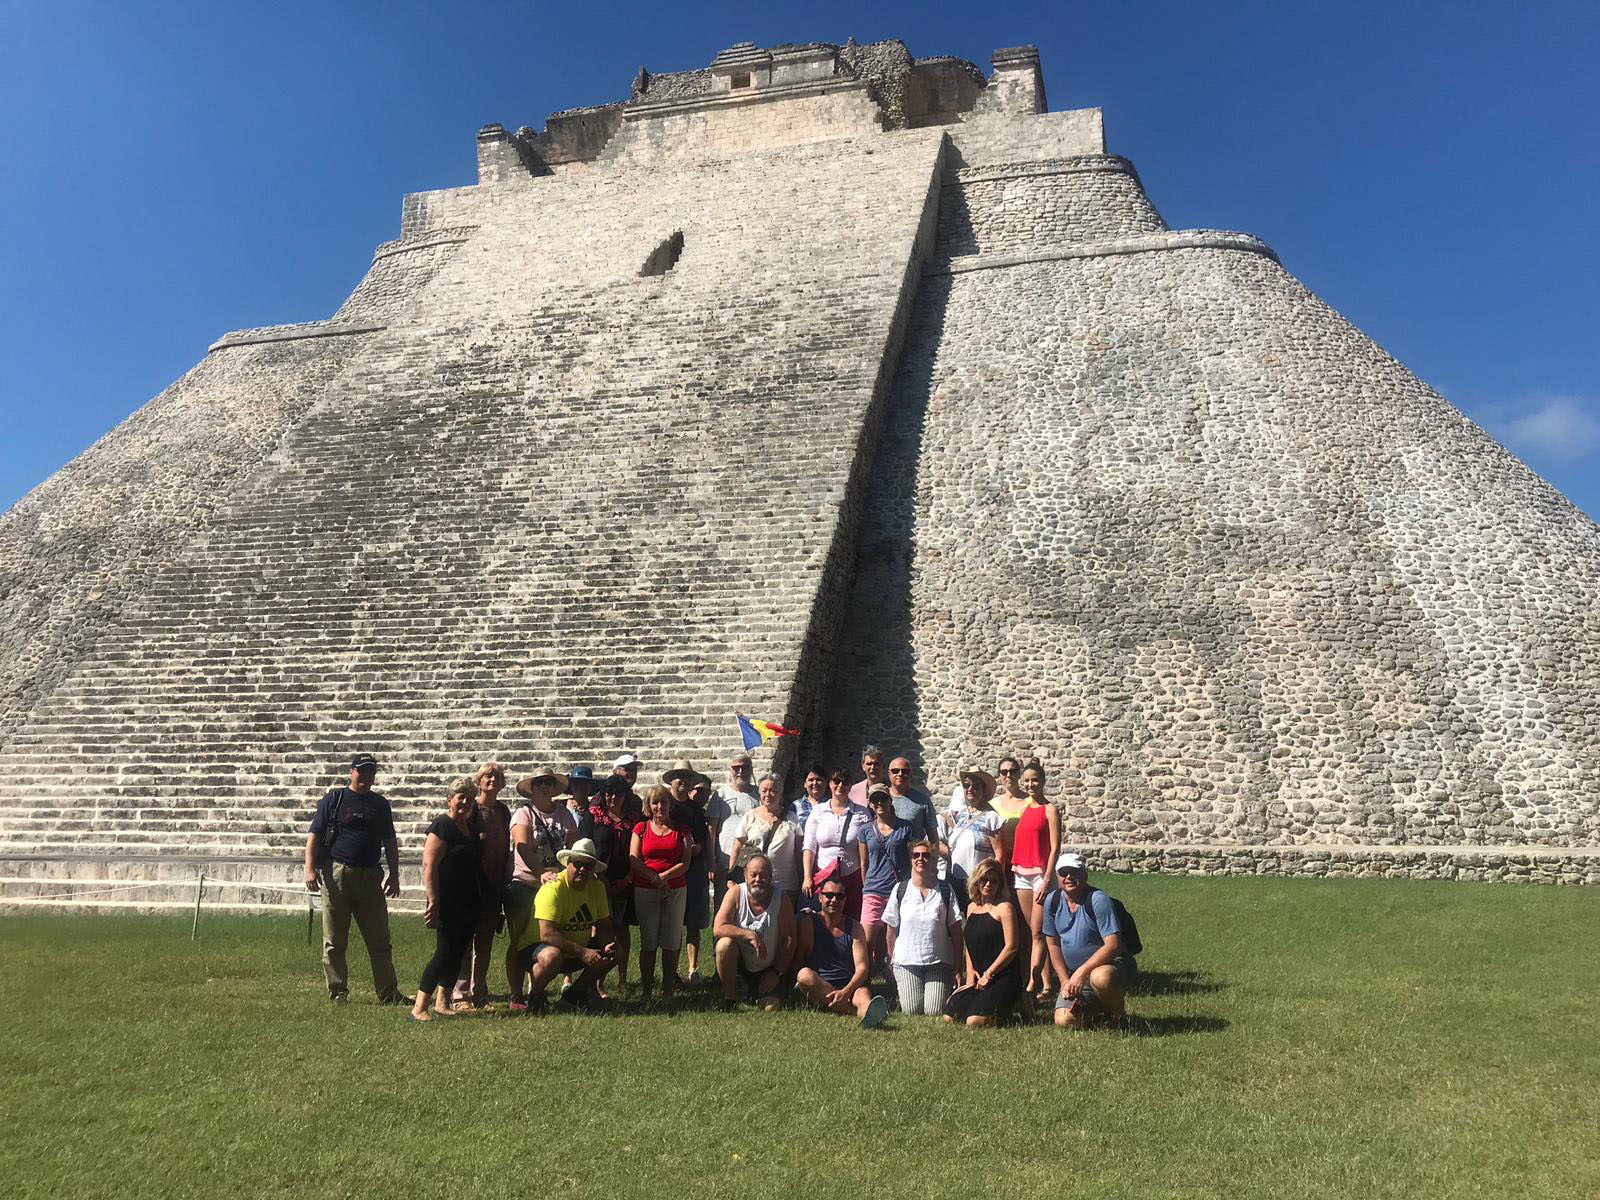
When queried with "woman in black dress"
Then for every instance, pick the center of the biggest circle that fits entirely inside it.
(452, 881)
(993, 934)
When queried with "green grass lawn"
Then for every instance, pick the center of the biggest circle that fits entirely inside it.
(1294, 1038)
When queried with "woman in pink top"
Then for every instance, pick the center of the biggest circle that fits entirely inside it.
(659, 856)
(1033, 856)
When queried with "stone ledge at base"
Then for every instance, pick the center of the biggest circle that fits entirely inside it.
(290, 333)
(1144, 243)
(1481, 864)
(258, 885)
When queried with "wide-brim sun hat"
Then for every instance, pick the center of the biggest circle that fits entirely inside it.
(683, 769)
(584, 851)
(542, 775)
(983, 778)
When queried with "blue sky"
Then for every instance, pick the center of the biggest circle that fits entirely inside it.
(173, 170)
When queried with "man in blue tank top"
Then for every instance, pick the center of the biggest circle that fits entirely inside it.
(833, 952)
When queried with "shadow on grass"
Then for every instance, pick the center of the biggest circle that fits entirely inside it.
(1175, 1026)
(1175, 983)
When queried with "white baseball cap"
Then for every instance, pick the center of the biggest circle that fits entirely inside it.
(625, 760)
(1071, 861)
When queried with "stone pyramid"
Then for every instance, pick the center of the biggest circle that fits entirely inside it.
(843, 388)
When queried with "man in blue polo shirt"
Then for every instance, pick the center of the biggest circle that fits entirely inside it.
(1085, 939)
(350, 829)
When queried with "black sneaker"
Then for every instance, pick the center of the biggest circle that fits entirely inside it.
(340, 998)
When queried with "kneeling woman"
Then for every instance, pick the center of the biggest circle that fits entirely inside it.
(924, 933)
(451, 879)
(995, 941)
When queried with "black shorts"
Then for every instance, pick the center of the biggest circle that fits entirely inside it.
(752, 981)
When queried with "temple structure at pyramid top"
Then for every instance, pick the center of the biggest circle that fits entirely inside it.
(844, 388)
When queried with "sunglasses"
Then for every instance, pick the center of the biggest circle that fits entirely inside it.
(833, 895)
(1008, 770)
(914, 857)
(898, 770)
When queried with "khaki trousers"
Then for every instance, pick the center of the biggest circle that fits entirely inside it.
(356, 892)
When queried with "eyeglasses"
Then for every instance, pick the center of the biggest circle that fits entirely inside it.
(833, 895)
(1008, 770)
(898, 770)
(914, 857)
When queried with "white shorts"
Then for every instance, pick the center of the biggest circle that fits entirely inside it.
(1028, 879)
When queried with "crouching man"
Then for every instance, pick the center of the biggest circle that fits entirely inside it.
(833, 952)
(571, 930)
(754, 932)
(1087, 947)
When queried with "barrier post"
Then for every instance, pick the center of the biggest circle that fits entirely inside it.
(199, 890)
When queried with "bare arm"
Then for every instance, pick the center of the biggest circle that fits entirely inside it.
(391, 851)
(550, 932)
(786, 939)
(808, 868)
(432, 852)
(723, 925)
(311, 861)
(1060, 964)
(862, 956)
(997, 844)
(680, 867)
(641, 872)
(1108, 950)
(522, 847)
(1052, 818)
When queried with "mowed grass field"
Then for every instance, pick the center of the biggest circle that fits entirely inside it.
(1292, 1038)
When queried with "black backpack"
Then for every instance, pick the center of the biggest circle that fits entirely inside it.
(1130, 928)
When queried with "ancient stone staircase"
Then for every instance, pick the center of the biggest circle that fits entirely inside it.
(543, 516)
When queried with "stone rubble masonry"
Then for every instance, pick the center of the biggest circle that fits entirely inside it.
(932, 435)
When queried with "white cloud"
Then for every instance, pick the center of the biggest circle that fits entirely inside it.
(1559, 428)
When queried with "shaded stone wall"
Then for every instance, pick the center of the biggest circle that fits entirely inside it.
(1022, 206)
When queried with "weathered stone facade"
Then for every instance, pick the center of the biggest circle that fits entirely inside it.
(834, 386)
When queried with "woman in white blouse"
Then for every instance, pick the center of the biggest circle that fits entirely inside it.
(765, 830)
(975, 831)
(924, 935)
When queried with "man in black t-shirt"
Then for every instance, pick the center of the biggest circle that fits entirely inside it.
(351, 827)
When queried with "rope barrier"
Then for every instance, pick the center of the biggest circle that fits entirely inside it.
(300, 890)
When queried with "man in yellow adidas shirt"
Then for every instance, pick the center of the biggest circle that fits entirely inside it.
(570, 933)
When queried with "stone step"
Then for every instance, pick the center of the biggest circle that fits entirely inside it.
(240, 884)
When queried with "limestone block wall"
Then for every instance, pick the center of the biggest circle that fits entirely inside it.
(734, 125)
(1021, 206)
(400, 270)
(79, 547)
(1167, 521)
(992, 139)
(555, 510)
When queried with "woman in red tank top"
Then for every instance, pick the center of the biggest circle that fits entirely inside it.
(659, 857)
(1033, 856)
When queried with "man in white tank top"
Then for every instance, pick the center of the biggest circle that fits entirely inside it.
(754, 932)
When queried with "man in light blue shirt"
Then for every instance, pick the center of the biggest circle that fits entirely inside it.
(1086, 942)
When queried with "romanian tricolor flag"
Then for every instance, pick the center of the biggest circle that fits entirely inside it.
(759, 733)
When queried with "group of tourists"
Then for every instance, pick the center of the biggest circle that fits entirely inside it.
(976, 913)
